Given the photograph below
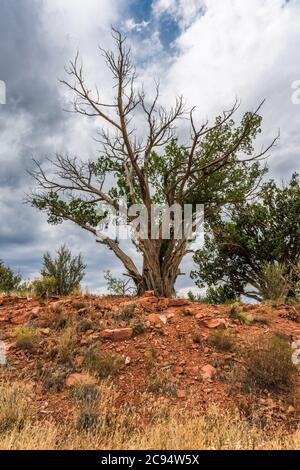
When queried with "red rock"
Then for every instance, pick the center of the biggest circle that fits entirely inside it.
(149, 293)
(76, 378)
(35, 311)
(119, 334)
(157, 319)
(45, 331)
(149, 300)
(180, 393)
(214, 323)
(178, 302)
(179, 370)
(208, 372)
(199, 316)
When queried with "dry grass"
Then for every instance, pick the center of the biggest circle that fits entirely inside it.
(122, 430)
(66, 344)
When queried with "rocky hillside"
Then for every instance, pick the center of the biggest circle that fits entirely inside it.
(187, 354)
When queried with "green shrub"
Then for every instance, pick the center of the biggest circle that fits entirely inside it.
(269, 364)
(27, 337)
(67, 271)
(273, 282)
(8, 280)
(44, 286)
(237, 312)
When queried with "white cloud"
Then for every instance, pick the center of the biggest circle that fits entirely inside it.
(247, 49)
(184, 11)
(131, 25)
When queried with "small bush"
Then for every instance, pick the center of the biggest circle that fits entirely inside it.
(126, 314)
(161, 382)
(27, 337)
(87, 420)
(65, 345)
(85, 326)
(197, 339)
(85, 393)
(273, 282)
(53, 379)
(103, 364)
(44, 287)
(269, 364)
(139, 327)
(236, 312)
(151, 356)
(222, 340)
(67, 271)
(8, 280)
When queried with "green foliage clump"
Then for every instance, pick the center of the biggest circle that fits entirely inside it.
(44, 286)
(27, 337)
(8, 280)
(252, 251)
(67, 271)
(273, 282)
(237, 312)
(116, 286)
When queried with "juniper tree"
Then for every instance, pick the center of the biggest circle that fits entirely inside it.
(258, 239)
(216, 164)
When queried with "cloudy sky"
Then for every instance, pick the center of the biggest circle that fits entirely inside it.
(211, 51)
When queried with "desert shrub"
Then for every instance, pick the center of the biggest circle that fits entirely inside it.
(14, 409)
(197, 339)
(269, 364)
(87, 420)
(67, 271)
(150, 356)
(85, 393)
(139, 327)
(66, 344)
(27, 337)
(53, 379)
(117, 286)
(222, 340)
(102, 364)
(9, 281)
(44, 286)
(236, 311)
(85, 326)
(161, 382)
(273, 282)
